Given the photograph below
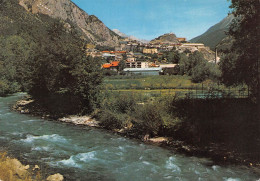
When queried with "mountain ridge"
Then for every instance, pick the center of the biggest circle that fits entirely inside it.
(118, 32)
(91, 27)
(215, 34)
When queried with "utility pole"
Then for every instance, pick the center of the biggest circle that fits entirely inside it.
(216, 55)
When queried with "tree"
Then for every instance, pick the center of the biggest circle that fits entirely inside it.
(198, 67)
(14, 53)
(183, 61)
(62, 77)
(121, 65)
(241, 65)
(86, 86)
(188, 64)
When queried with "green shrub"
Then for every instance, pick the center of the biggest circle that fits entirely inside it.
(148, 119)
(120, 103)
(112, 120)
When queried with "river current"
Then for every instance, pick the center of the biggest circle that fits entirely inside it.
(87, 154)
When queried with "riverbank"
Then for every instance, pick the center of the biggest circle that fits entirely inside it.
(219, 153)
(12, 169)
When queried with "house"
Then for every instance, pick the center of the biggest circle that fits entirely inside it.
(114, 65)
(165, 66)
(131, 59)
(169, 69)
(191, 46)
(137, 64)
(150, 50)
(182, 39)
(93, 53)
(139, 55)
(108, 55)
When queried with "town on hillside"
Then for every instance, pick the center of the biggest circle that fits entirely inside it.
(136, 57)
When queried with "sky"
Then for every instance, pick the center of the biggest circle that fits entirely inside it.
(148, 19)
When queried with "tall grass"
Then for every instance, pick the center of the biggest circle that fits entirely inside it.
(148, 82)
(165, 84)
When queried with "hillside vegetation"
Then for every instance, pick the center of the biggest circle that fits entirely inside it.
(215, 34)
(38, 54)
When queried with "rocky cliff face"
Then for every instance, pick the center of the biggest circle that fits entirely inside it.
(92, 28)
(166, 38)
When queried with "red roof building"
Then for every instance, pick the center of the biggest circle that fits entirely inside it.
(111, 65)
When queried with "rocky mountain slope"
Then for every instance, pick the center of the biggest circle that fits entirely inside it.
(166, 38)
(131, 37)
(214, 35)
(91, 27)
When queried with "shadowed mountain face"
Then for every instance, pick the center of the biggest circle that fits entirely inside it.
(214, 35)
(91, 27)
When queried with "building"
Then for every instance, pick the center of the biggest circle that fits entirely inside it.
(143, 71)
(107, 55)
(191, 46)
(93, 53)
(150, 50)
(165, 66)
(182, 39)
(137, 64)
(169, 69)
(114, 65)
(131, 59)
(139, 55)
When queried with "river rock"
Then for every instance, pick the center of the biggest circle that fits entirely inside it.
(19, 169)
(81, 120)
(36, 167)
(27, 167)
(55, 177)
(146, 137)
(158, 140)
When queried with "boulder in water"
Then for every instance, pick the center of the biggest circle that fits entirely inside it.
(55, 177)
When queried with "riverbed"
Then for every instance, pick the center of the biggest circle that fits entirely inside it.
(83, 153)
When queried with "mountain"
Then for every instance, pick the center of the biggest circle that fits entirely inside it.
(91, 27)
(166, 38)
(120, 33)
(35, 49)
(131, 37)
(225, 45)
(214, 35)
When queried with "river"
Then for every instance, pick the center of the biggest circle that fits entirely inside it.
(87, 154)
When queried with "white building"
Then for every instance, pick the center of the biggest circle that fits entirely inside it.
(137, 64)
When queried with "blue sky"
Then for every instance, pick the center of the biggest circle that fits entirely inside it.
(148, 19)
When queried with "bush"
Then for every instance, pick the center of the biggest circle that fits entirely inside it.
(107, 72)
(120, 103)
(112, 120)
(148, 119)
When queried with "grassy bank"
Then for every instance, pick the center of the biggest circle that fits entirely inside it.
(148, 82)
(120, 82)
(157, 86)
(228, 127)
